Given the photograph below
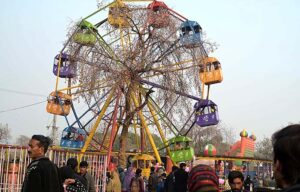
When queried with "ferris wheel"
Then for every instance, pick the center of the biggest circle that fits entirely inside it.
(129, 67)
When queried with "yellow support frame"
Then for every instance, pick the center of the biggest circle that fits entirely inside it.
(58, 71)
(156, 121)
(95, 126)
(154, 115)
(145, 126)
(135, 132)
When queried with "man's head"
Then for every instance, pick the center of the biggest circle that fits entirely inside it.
(72, 162)
(236, 180)
(182, 165)
(152, 169)
(286, 150)
(174, 168)
(138, 172)
(83, 167)
(38, 146)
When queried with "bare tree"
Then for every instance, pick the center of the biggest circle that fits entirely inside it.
(221, 136)
(264, 149)
(4, 133)
(140, 63)
(22, 140)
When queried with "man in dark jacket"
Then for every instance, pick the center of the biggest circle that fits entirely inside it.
(286, 150)
(247, 183)
(181, 177)
(153, 179)
(170, 181)
(73, 163)
(87, 176)
(41, 174)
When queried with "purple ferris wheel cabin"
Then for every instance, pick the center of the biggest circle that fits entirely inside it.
(67, 70)
(206, 113)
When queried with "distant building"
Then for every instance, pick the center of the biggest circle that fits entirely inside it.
(243, 148)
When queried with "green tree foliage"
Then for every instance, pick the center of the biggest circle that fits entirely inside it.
(131, 142)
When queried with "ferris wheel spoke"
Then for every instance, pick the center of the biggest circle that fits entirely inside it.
(123, 41)
(154, 115)
(187, 121)
(135, 132)
(171, 90)
(104, 135)
(167, 66)
(158, 111)
(164, 117)
(166, 71)
(113, 125)
(144, 125)
(90, 108)
(107, 47)
(93, 130)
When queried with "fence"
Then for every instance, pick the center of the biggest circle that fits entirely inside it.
(14, 161)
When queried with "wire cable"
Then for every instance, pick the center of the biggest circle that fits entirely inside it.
(25, 106)
(21, 92)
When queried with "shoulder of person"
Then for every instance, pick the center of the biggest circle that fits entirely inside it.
(33, 163)
(33, 167)
(88, 175)
(45, 162)
(39, 162)
(44, 159)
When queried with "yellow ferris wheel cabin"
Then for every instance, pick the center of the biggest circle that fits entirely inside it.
(118, 15)
(143, 161)
(210, 71)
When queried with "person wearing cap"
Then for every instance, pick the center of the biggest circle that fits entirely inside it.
(181, 177)
(41, 174)
(83, 166)
(202, 178)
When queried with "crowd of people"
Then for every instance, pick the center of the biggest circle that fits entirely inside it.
(44, 176)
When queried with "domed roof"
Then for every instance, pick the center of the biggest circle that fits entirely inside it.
(253, 137)
(244, 133)
(209, 150)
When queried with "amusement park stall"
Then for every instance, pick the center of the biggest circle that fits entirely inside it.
(14, 161)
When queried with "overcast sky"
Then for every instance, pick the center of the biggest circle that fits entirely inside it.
(258, 49)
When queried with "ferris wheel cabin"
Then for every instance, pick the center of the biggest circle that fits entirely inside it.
(210, 71)
(191, 33)
(118, 15)
(206, 113)
(143, 161)
(181, 149)
(73, 138)
(66, 70)
(59, 103)
(158, 14)
(86, 34)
